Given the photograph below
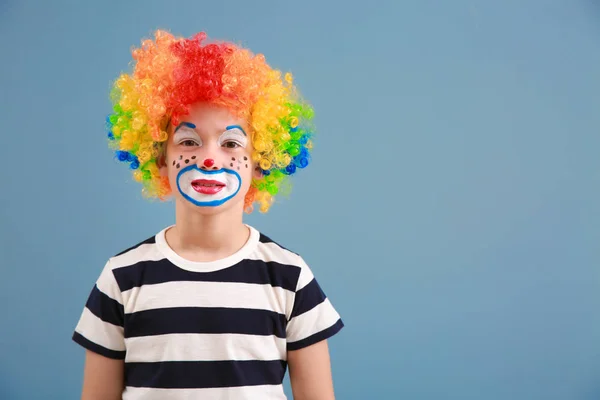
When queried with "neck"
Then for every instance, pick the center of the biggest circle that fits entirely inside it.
(206, 237)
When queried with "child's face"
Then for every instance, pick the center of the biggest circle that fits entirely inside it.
(208, 159)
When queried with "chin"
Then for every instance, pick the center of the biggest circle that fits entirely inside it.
(227, 207)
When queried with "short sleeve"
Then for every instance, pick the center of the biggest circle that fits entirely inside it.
(100, 327)
(313, 318)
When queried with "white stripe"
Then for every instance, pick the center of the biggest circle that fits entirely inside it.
(316, 320)
(264, 392)
(272, 252)
(205, 347)
(108, 285)
(144, 252)
(100, 332)
(306, 276)
(207, 294)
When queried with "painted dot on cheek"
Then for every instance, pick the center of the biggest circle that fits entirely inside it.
(246, 165)
(187, 161)
(231, 164)
(177, 165)
(180, 157)
(174, 162)
(232, 158)
(245, 158)
(193, 157)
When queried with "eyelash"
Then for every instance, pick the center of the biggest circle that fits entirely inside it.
(228, 142)
(194, 143)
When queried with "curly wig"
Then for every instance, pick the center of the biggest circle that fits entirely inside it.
(171, 73)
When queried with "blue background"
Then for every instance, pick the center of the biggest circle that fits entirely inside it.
(452, 212)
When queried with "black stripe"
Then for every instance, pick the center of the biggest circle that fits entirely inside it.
(150, 240)
(317, 337)
(162, 321)
(246, 271)
(105, 308)
(266, 239)
(307, 298)
(204, 374)
(96, 348)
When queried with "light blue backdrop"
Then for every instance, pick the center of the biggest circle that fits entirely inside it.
(452, 212)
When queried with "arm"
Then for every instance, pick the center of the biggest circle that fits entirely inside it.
(310, 372)
(100, 331)
(102, 378)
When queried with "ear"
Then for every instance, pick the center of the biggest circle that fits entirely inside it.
(161, 161)
(162, 169)
(257, 173)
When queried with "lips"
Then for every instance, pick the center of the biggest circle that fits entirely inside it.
(206, 186)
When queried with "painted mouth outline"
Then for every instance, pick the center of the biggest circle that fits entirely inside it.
(209, 172)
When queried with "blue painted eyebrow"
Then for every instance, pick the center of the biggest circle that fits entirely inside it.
(236, 127)
(188, 124)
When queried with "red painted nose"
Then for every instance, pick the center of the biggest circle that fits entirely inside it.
(209, 162)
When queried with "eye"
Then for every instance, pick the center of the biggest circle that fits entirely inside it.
(233, 138)
(187, 138)
(231, 144)
(189, 143)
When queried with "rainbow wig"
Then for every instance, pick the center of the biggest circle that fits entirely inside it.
(171, 73)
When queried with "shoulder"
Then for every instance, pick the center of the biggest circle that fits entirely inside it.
(128, 264)
(282, 261)
(273, 251)
(143, 250)
(264, 239)
(148, 241)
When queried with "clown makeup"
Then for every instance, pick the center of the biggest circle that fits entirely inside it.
(234, 136)
(208, 188)
(204, 183)
(186, 135)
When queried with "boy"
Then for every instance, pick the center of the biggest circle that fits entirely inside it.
(208, 308)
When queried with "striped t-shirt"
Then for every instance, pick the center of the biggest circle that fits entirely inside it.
(205, 330)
